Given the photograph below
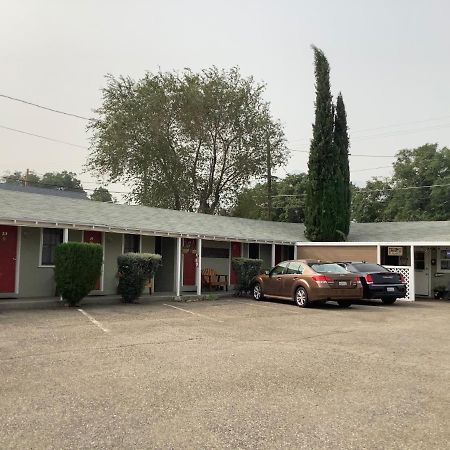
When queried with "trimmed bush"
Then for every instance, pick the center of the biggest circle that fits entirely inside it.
(78, 266)
(134, 269)
(246, 269)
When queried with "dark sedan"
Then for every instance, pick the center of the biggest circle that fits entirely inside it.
(377, 281)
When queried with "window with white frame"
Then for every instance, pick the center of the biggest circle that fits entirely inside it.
(51, 238)
(131, 243)
(444, 260)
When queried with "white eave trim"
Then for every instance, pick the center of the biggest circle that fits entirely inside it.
(105, 228)
(375, 243)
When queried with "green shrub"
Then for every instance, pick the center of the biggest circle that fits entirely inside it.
(78, 266)
(134, 270)
(246, 269)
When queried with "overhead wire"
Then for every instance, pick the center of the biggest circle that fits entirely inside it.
(58, 111)
(43, 137)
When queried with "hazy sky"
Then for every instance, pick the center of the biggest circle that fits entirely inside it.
(390, 59)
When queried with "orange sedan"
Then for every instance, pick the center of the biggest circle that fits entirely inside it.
(307, 282)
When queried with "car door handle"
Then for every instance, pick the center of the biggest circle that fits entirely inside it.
(295, 278)
(278, 278)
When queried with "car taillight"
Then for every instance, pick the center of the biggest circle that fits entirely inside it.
(369, 279)
(356, 280)
(402, 279)
(322, 279)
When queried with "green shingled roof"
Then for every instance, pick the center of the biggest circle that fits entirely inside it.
(26, 207)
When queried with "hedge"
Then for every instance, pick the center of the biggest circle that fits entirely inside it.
(78, 266)
(246, 269)
(134, 269)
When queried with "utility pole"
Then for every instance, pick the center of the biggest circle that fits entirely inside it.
(26, 177)
(269, 179)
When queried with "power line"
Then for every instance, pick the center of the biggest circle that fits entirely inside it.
(390, 126)
(371, 168)
(72, 189)
(395, 188)
(44, 107)
(43, 137)
(350, 154)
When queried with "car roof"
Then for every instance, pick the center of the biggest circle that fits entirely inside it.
(309, 261)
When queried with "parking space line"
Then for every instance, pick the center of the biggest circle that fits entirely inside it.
(193, 313)
(94, 321)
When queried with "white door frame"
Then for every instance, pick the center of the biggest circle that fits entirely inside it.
(427, 263)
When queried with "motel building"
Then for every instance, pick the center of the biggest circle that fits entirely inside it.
(33, 223)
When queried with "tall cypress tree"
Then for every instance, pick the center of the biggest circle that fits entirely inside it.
(321, 200)
(341, 142)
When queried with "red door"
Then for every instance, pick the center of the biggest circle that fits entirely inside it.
(189, 253)
(93, 237)
(235, 253)
(8, 253)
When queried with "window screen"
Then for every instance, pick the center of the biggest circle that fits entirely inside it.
(51, 238)
(131, 243)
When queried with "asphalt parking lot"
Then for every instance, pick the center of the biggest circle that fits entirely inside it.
(229, 373)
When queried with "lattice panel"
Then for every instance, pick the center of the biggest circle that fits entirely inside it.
(408, 273)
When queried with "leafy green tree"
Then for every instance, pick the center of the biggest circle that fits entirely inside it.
(423, 166)
(101, 194)
(187, 141)
(52, 180)
(19, 178)
(290, 197)
(403, 197)
(369, 203)
(288, 200)
(324, 178)
(341, 141)
(66, 180)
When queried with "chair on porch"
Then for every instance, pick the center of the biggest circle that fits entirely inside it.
(211, 279)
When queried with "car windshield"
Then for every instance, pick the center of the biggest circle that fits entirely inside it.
(369, 268)
(327, 268)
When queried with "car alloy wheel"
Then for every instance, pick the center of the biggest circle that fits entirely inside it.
(301, 297)
(257, 292)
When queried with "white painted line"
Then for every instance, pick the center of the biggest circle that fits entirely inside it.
(95, 322)
(193, 313)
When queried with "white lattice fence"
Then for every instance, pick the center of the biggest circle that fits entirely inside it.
(408, 273)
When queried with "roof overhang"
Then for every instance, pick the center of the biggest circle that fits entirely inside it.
(109, 229)
(375, 244)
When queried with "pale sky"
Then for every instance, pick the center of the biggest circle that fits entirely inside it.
(390, 59)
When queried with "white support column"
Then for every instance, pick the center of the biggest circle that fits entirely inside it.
(273, 255)
(65, 239)
(412, 278)
(199, 267)
(378, 254)
(295, 252)
(178, 267)
(229, 264)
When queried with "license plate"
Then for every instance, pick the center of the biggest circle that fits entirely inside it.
(342, 283)
(390, 289)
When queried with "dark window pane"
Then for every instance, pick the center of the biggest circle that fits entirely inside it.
(369, 268)
(131, 243)
(158, 245)
(212, 252)
(327, 268)
(51, 237)
(278, 270)
(294, 268)
(253, 251)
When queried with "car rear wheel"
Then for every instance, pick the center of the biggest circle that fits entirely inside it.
(257, 292)
(344, 303)
(301, 297)
(388, 300)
